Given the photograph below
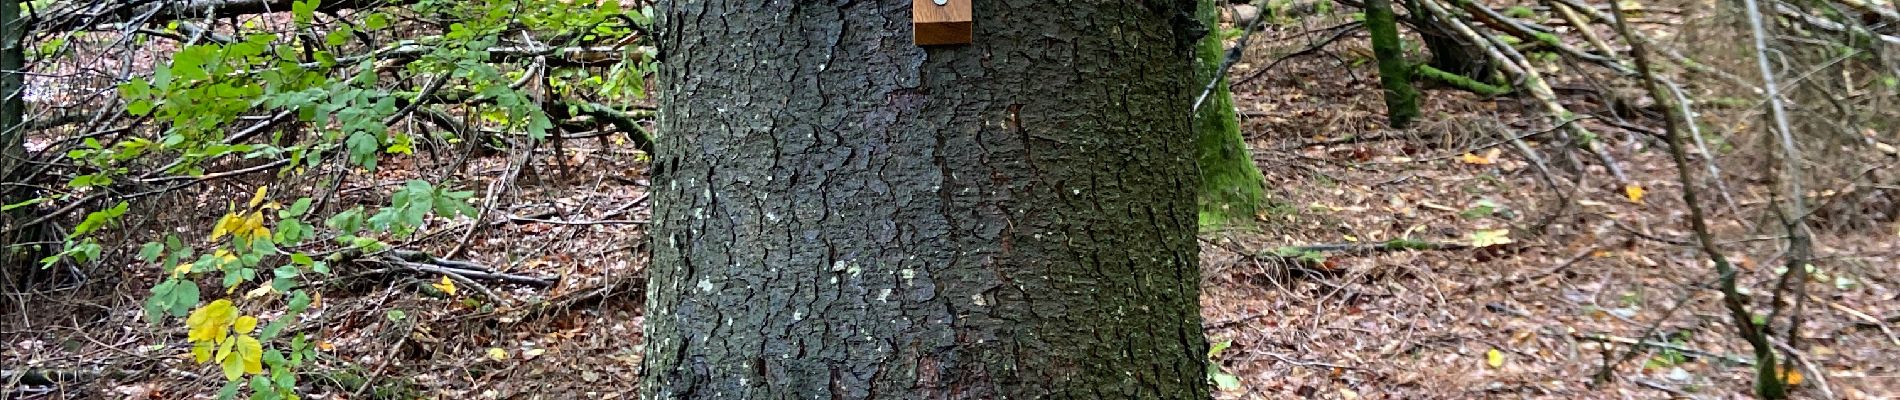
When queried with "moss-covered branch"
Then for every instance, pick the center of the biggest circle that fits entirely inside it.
(1460, 81)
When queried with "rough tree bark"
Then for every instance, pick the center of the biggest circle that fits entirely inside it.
(840, 214)
(1231, 186)
(12, 117)
(12, 89)
(1395, 75)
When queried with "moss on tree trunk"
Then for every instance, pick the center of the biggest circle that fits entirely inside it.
(1395, 74)
(1231, 185)
(839, 214)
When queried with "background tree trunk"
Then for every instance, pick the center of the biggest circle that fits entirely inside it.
(1395, 75)
(841, 214)
(1231, 186)
(12, 94)
(1449, 53)
(12, 131)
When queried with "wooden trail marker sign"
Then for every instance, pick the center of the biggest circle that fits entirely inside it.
(941, 22)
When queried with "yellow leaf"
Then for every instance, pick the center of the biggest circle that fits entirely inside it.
(231, 361)
(259, 197)
(224, 350)
(1792, 377)
(258, 292)
(245, 324)
(446, 285)
(201, 351)
(253, 226)
(208, 323)
(1489, 157)
(1494, 358)
(227, 224)
(181, 269)
(1635, 193)
(497, 354)
(251, 353)
(1491, 237)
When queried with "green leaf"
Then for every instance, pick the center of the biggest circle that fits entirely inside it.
(139, 108)
(363, 148)
(299, 207)
(184, 298)
(89, 180)
(28, 202)
(160, 300)
(229, 391)
(347, 221)
(150, 251)
(1215, 350)
(338, 37)
(378, 21)
(1224, 380)
(303, 11)
(98, 219)
(299, 301)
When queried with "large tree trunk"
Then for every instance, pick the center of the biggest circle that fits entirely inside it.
(840, 214)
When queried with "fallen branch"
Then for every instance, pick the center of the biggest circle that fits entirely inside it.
(1635, 37)
(47, 376)
(518, 219)
(1579, 257)
(1340, 32)
(1362, 248)
(1459, 81)
(621, 121)
(470, 274)
(1866, 320)
(1685, 350)
(423, 262)
(1227, 60)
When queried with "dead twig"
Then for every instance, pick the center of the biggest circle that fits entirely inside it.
(1685, 350)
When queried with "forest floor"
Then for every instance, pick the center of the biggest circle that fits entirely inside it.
(1592, 276)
